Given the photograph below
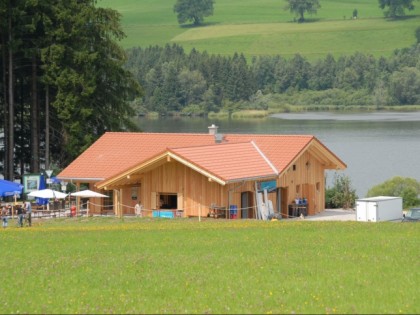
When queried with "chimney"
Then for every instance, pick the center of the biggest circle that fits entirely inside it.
(213, 129)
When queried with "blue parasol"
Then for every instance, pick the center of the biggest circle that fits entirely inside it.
(8, 188)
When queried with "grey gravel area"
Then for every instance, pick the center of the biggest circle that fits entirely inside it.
(333, 215)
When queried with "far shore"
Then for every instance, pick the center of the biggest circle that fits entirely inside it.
(394, 113)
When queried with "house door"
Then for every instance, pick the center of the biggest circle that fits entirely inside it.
(308, 192)
(284, 191)
(246, 205)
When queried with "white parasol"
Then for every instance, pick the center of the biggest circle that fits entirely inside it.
(48, 193)
(88, 194)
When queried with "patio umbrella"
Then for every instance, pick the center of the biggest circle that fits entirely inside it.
(48, 193)
(88, 194)
(8, 188)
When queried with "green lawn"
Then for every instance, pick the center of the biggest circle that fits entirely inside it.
(261, 27)
(108, 265)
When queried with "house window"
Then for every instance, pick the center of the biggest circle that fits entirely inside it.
(168, 201)
(294, 167)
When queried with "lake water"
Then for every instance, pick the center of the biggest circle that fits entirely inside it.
(375, 146)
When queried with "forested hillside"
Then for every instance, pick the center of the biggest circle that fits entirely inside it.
(257, 56)
(198, 82)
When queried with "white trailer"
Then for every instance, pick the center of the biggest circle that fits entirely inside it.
(381, 208)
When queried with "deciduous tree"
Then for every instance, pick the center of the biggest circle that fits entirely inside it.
(396, 7)
(299, 7)
(193, 10)
(405, 86)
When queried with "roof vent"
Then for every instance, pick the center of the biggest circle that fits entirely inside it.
(218, 137)
(213, 129)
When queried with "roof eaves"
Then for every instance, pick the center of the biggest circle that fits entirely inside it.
(87, 179)
(341, 164)
(298, 154)
(268, 176)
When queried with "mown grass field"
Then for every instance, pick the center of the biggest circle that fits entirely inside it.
(263, 27)
(109, 265)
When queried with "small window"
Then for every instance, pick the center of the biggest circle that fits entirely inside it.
(134, 191)
(294, 167)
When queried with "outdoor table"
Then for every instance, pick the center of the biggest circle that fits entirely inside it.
(296, 210)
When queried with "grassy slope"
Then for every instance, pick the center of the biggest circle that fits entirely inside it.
(264, 27)
(107, 265)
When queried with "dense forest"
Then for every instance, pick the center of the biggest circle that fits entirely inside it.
(62, 81)
(197, 82)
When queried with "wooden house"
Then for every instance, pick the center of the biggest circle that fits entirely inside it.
(204, 174)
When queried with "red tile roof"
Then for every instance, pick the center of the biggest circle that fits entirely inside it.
(230, 161)
(281, 150)
(115, 152)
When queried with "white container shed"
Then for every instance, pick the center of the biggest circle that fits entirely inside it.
(381, 208)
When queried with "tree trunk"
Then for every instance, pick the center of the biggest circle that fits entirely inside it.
(20, 156)
(5, 105)
(34, 120)
(9, 174)
(301, 19)
(47, 127)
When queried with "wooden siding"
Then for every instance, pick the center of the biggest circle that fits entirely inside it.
(304, 178)
(307, 173)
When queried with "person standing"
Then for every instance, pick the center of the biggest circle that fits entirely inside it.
(137, 209)
(28, 210)
(4, 216)
(19, 212)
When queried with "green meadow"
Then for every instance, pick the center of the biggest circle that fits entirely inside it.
(263, 27)
(132, 265)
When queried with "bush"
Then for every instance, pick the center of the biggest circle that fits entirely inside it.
(193, 110)
(342, 194)
(405, 187)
